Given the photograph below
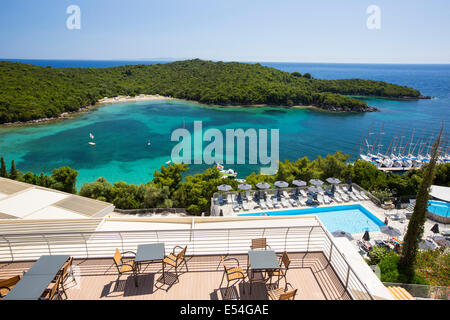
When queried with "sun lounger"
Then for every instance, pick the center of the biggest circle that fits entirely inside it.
(229, 198)
(363, 194)
(269, 204)
(248, 196)
(337, 198)
(358, 195)
(303, 193)
(245, 206)
(352, 196)
(326, 199)
(285, 194)
(275, 203)
(262, 204)
(301, 201)
(345, 198)
(320, 199)
(293, 202)
(235, 208)
(284, 203)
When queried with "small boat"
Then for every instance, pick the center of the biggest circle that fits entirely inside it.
(168, 161)
(92, 143)
(148, 142)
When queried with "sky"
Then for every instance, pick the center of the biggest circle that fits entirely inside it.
(410, 31)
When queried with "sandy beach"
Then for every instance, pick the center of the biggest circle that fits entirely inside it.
(141, 97)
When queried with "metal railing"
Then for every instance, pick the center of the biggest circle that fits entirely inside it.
(225, 241)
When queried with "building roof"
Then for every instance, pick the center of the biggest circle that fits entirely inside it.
(441, 193)
(25, 201)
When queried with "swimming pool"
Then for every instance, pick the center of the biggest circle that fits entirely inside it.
(350, 218)
(440, 208)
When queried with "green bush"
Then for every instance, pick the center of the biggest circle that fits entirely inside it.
(377, 254)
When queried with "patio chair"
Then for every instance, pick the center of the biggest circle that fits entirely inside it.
(285, 261)
(6, 285)
(65, 272)
(176, 259)
(53, 292)
(124, 266)
(260, 243)
(232, 273)
(282, 293)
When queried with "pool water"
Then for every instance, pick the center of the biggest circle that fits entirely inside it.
(439, 208)
(349, 218)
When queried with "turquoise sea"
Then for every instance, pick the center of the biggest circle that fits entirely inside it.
(122, 130)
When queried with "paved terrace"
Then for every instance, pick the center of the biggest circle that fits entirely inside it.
(319, 270)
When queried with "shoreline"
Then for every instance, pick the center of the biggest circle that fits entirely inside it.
(73, 114)
(155, 97)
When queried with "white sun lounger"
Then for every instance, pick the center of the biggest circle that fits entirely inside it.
(245, 206)
(345, 198)
(326, 199)
(275, 203)
(352, 195)
(235, 208)
(337, 198)
(302, 201)
(363, 194)
(262, 204)
(284, 203)
(293, 202)
(303, 193)
(269, 204)
(358, 195)
(320, 199)
(285, 194)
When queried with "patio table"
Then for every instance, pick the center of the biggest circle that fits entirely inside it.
(150, 253)
(37, 278)
(262, 260)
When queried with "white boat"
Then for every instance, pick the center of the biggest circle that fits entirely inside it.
(92, 143)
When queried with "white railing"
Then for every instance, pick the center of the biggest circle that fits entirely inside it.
(225, 241)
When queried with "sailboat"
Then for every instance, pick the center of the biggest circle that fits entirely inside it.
(92, 137)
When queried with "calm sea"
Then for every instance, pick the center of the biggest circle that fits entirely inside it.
(122, 130)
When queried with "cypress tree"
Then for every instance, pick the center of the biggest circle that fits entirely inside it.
(418, 217)
(3, 172)
(42, 180)
(13, 173)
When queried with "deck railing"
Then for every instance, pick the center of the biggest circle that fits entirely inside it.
(200, 241)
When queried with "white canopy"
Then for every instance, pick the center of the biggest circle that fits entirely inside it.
(441, 193)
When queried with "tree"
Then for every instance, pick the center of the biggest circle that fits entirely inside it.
(418, 217)
(3, 172)
(307, 75)
(13, 174)
(65, 179)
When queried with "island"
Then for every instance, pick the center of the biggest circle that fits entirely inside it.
(30, 93)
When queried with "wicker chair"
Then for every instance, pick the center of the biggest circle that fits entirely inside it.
(232, 273)
(282, 293)
(124, 266)
(176, 259)
(54, 292)
(6, 285)
(260, 243)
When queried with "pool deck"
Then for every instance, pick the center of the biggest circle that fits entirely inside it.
(367, 204)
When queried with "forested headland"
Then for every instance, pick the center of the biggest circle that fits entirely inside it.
(29, 92)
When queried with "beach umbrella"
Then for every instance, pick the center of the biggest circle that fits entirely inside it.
(263, 185)
(244, 186)
(299, 183)
(315, 189)
(281, 184)
(224, 187)
(435, 228)
(390, 231)
(366, 236)
(333, 180)
(316, 182)
(426, 244)
(342, 234)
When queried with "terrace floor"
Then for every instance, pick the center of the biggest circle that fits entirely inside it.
(310, 273)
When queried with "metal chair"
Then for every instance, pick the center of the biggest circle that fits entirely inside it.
(232, 273)
(282, 293)
(54, 292)
(176, 259)
(6, 285)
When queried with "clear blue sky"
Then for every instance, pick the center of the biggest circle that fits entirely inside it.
(412, 31)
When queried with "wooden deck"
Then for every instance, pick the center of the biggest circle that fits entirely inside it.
(97, 279)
